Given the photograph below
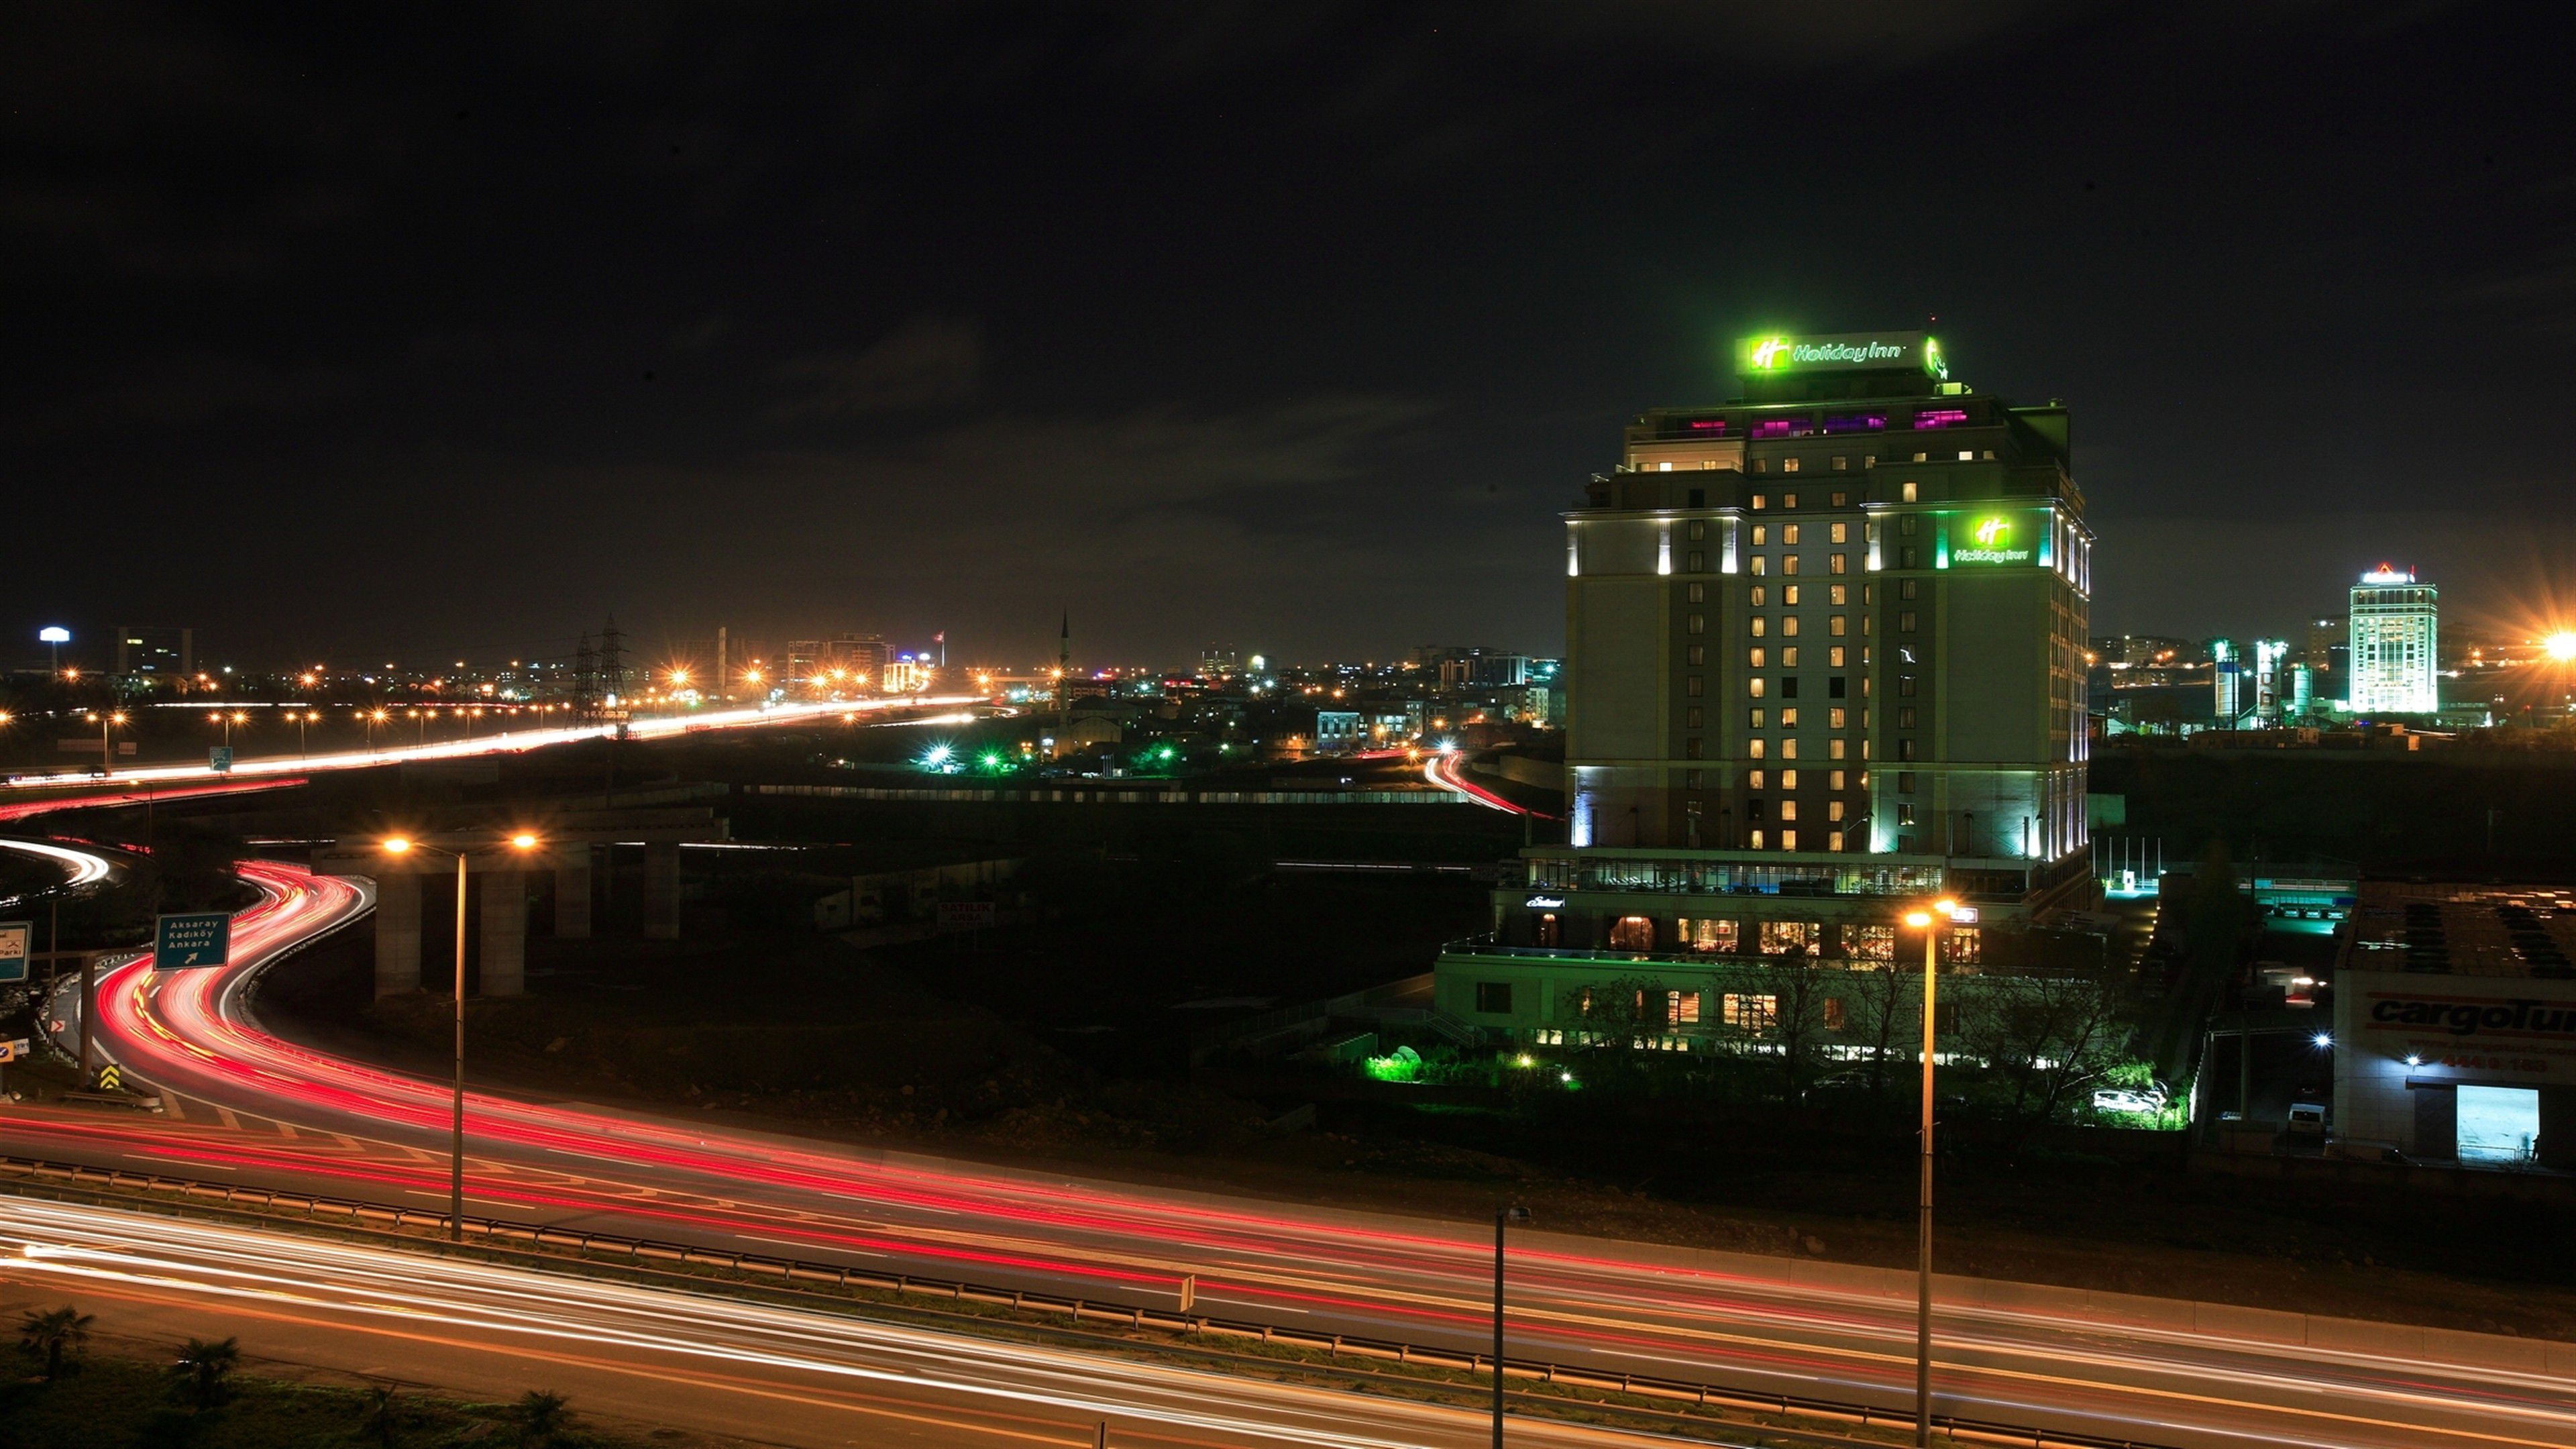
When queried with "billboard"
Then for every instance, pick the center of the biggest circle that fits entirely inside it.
(17, 938)
(1779, 353)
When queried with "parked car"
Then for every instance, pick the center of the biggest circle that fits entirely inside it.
(2308, 1119)
(2127, 1099)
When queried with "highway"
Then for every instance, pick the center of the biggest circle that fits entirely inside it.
(1448, 770)
(503, 742)
(257, 1110)
(710, 1364)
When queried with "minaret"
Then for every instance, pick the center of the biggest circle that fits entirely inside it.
(1064, 682)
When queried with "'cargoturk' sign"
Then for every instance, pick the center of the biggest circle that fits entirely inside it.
(2477, 1016)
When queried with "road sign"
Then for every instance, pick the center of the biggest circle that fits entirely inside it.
(219, 758)
(15, 939)
(13, 1051)
(109, 1079)
(965, 915)
(202, 938)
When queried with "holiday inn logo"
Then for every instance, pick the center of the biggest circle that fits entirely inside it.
(1767, 352)
(1993, 536)
(1991, 531)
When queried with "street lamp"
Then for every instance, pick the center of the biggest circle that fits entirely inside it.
(107, 755)
(401, 845)
(1923, 920)
(1502, 1216)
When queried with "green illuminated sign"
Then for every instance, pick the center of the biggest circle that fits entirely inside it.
(1780, 352)
(1991, 538)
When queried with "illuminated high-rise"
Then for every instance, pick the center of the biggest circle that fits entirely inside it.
(2396, 644)
(1825, 656)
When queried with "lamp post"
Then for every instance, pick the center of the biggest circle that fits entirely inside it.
(107, 719)
(1925, 921)
(400, 845)
(1502, 1216)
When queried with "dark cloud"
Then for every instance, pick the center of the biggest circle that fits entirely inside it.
(1298, 320)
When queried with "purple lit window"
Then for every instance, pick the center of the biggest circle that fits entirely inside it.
(1855, 422)
(1940, 417)
(1783, 428)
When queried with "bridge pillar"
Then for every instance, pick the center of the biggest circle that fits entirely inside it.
(572, 897)
(505, 933)
(397, 933)
(661, 891)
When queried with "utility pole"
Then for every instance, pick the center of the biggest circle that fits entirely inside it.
(1064, 683)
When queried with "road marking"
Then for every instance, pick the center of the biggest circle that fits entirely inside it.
(226, 1115)
(177, 1161)
(1250, 1303)
(170, 1107)
(283, 1130)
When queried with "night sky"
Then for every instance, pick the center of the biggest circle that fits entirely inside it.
(450, 333)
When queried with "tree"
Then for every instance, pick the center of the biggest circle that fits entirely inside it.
(540, 1415)
(203, 1372)
(1881, 1011)
(381, 1418)
(57, 1334)
(2048, 1035)
(1796, 1027)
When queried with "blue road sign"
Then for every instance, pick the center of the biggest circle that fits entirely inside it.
(220, 758)
(202, 938)
(16, 937)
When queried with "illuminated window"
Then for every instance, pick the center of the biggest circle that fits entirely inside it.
(1834, 656)
(1788, 563)
(1681, 1008)
(1833, 1013)
(1788, 808)
(1909, 488)
(1908, 492)
(1834, 808)
(1789, 717)
(1759, 625)
(1870, 943)
(1834, 717)
(1633, 933)
(1788, 500)
(1754, 686)
(1834, 748)
(1755, 840)
(1967, 948)
(1753, 779)
(1790, 465)
(1841, 533)
(1834, 624)
(1789, 626)
(1789, 749)
(1755, 657)
(1761, 534)
(1838, 594)
(1833, 779)
(1789, 657)
(1758, 565)
(1837, 563)
(1788, 779)
(1753, 751)
(1707, 935)
(1757, 718)
(1833, 840)
(1696, 623)
(1763, 465)
(1748, 1012)
(1758, 500)
(1789, 595)
(1841, 463)
(1841, 500)
(1789, 531)
(1904, 813)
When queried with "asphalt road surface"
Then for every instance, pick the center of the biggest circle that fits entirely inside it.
(253, 1109)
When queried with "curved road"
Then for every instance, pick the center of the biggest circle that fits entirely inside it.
(259, 1109)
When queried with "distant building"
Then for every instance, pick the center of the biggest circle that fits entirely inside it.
(156, 649)
(2454, 1032)
(1220, 659)
(2329, 642)
(1339, 732)
(2396, 644)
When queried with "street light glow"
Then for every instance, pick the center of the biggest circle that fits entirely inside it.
(2561, 645)
(396, 845)
(524, 841)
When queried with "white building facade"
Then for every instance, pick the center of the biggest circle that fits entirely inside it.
(2396, 644)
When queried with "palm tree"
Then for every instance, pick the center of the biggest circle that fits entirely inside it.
(202, 1369)
(383, 1414)
(541, 1416)
(55, 1333)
